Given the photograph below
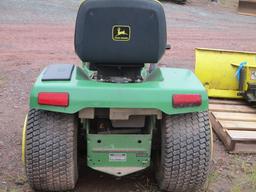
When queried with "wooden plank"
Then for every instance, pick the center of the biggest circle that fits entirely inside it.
(231, 108)
(247, 14)
(235, 116)
(247, 7)
(242, 135)
(221, 132)
(251, 1)
(244, 147)
(225, 101)
(238, 125)
(234, 122)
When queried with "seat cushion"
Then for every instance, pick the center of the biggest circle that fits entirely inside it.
(120, 31)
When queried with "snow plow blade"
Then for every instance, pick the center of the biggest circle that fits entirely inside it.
(217, 69)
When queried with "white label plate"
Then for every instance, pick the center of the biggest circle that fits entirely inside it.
(117, 157)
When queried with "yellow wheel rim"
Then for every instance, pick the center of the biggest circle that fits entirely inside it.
(24, 139)
(211, 140)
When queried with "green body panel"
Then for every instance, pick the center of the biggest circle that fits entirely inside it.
(119, 154)
(153, 93)
(118, 143)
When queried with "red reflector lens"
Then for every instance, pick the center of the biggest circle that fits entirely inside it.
(55, 99)
(186, 100)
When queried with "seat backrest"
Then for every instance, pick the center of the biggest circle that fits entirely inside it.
(120, 31)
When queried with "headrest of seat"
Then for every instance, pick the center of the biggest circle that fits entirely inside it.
(120, 31)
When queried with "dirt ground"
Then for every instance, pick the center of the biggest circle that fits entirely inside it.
(34, 33)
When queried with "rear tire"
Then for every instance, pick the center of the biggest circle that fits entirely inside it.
(183, 164)
(51, 150)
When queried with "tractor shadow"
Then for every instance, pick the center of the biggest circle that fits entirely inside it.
(94, 181)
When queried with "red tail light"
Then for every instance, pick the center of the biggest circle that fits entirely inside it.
(186, 100)
(55, 99)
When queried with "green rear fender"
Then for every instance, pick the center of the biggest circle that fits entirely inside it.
(154, 93)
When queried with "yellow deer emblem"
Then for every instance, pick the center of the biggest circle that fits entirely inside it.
(121, 32)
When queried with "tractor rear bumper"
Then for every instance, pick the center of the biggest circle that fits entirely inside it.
(154, 93)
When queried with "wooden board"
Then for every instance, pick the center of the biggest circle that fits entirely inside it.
(235, 116)
(244, 147)
(242, 135)
(231, 108)
(227, 102)
(234, 122)
(247, 7)
(238, 125)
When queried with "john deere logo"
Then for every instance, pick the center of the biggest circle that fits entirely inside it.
(121, 33)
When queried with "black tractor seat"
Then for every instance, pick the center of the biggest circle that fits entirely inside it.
(120, 32)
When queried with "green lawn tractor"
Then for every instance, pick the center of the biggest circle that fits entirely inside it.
(123, 111)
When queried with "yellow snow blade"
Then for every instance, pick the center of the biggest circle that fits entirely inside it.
(216, 69)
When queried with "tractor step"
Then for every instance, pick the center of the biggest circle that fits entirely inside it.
(234, 121)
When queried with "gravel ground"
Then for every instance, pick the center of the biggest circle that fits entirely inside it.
(34, 33)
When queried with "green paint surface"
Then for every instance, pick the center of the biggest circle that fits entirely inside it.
(153, 93)
(119, 150)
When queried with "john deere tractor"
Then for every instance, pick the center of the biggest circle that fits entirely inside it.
(130, 114)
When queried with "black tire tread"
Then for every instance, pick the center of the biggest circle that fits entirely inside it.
(185, 153)
(51, 150)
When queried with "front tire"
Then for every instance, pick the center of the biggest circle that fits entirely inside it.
(183, 162)
(51, 150)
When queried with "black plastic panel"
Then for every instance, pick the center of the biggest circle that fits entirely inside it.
(58, 72)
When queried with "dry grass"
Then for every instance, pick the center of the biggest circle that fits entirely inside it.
(252, 178)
